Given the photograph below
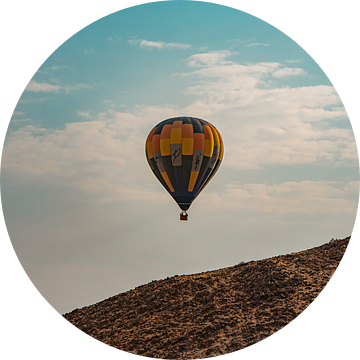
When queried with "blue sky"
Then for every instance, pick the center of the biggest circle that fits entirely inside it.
(76, 180)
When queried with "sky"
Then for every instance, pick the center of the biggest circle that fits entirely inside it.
(85, 214)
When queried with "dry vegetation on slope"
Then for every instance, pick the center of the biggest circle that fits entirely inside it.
(212, 313)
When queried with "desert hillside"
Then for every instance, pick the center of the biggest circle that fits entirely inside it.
(211, 313)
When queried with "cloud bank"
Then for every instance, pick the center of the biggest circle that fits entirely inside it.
(262, 125)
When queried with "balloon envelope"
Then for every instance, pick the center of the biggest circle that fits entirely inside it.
(184, 153)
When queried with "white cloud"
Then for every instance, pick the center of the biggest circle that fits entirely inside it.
(209, 59)
(105, 157)
(134, 41)
(59, 67)
(42, 87)
(352, 188)
(154, 44)
(288, 72)
(177, 45)
(287, 198)
(85, 114)
(293, 61)
(21, 121)
(108, 103)
(18, 113)
(114, 40)
(158, 44)
(262, 125)
(256, 44)
(34, 86)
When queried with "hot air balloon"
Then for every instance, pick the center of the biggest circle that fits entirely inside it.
(184, 154)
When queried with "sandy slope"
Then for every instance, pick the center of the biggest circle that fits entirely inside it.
(212, 313)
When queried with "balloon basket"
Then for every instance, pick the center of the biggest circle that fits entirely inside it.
(184, 215)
